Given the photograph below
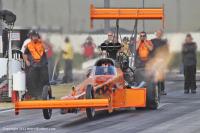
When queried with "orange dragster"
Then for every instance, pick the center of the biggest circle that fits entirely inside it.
(107, 86)
(104, 89)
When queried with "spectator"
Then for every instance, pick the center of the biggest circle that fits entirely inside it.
(88, 48)
(68, 55)
(49, 53)
(189, 61)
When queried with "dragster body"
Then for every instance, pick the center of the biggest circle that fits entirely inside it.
(108, 83)
(103, 89)
(103, 80)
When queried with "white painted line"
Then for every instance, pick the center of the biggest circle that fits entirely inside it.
(170, 82)
(8, 110)
(162, 104)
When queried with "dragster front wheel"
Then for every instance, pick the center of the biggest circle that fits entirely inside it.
(46, 95)
(90, 95)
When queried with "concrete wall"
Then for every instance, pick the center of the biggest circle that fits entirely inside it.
(175, 40)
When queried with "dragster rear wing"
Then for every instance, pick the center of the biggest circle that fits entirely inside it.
(126, 13)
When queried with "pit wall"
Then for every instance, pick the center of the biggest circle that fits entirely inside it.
(175, 40)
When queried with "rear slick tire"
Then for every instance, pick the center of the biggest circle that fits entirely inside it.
(152, 97)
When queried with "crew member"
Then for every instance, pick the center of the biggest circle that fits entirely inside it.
(36, 60)
(111, 46)
(143, 49)
(189, 58)
(125, 48)
(160, 52)
(24, 46)
(132, 45)
(110, 38)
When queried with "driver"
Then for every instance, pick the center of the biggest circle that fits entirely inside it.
(105, 69)
(104, 65)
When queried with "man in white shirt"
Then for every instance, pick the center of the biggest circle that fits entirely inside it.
(23, 49)
(26, 42)
(25, 45)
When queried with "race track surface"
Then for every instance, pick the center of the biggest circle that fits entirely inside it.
(178, 113)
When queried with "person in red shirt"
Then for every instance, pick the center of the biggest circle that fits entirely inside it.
(88, 48)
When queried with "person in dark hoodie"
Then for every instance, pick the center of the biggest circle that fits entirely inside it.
(160, 46)
(189, 58)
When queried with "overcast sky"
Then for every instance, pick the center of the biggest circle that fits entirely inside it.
(73, 15)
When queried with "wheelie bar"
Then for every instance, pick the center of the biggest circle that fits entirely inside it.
(58, 104)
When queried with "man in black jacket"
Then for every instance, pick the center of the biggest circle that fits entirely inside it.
(160, 46)
(111, 46)
(189, 61)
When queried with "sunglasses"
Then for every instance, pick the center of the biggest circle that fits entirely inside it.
(142, 35)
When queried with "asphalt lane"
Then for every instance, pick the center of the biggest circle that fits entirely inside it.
(178, 113)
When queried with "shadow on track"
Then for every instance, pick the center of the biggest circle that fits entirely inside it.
(103, 115)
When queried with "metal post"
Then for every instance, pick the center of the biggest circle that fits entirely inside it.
(9, 65)
(1, 25)
(106, 22)
(1, 5)
(1, 31)
(69, 17)
(117, 25)
(35, 12)
(143, 22)
(178, 16)
(135, 41)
